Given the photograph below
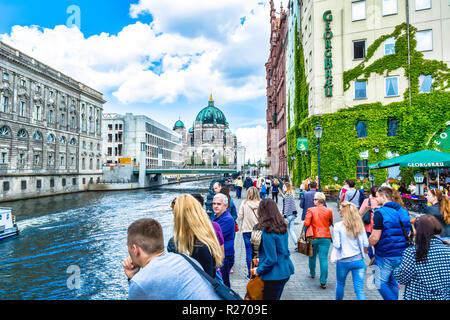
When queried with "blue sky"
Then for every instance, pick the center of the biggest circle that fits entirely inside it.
(153, 57)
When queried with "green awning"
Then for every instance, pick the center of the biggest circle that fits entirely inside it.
(420, 159)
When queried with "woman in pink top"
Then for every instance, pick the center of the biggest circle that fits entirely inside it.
(373, 203)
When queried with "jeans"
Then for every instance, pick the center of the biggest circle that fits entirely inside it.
(385, 281)
(238, 192)
(228, 263)
(320, 247)
(248, 250)
(262, 195)
(275, 196)
(290, 220)
(273, 289)
(358, 269)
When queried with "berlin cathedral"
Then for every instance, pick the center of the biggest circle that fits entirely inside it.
(209, 141)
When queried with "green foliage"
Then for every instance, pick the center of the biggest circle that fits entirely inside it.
(340, 146)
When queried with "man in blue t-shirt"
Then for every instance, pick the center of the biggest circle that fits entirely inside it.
(391, 223)
(227, 224)
(154, 274)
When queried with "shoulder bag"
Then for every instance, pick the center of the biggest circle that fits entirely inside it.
(222, 290)
(304, 245)
(409, 239)
(255, 287)
(367, 215)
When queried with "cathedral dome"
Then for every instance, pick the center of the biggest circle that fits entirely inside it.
(178, 124)
(211, 115)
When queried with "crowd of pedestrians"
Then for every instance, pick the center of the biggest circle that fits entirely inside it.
(402, 250)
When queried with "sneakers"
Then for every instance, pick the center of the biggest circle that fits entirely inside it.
(323, 286)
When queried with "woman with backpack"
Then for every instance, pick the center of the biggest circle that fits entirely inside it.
(290, 211)
(367, 209)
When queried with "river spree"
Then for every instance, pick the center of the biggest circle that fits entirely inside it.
(71, 247)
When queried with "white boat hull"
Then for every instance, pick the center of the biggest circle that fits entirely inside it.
(9, 233)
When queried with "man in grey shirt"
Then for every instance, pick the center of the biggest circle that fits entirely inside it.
(154, 274)
(352, 195)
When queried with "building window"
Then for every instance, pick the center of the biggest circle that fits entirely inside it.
(98, 164)
(38, 89)
(389, 46)
(98, 146)
(91, 146)
(62, 161)
(22, 109)
(22, 134)
(84, 180)
(62, 120)
(72, 123)
(36, 159)
(50, 116)
(5, 186)
(392, 128)
(72, 161)
(38, 111)
(74, 181)
(361, 129)
(423, 4)
(63, 182)
(91, 164)
(424, 40)
(23, 83)
(4, 158)
(392, 87)
(50, 159)
(360, 90)
(62, 140)
(21, 158)
(4, 131)
(52, 183)
(425, 83)
(109, 152)
(358, 10)
(362, 169)
(37, 136)
(51, 138)
(389, 7)
(5, 76)
(4, 105)
(23, 185)
(83, 163)
(359, 49)
(38, 184)
(73, 142)
(83, 144)
(110, 126)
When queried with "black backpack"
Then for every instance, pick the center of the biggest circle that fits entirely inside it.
(362, 197)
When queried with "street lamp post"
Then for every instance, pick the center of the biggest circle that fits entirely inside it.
(318, 131)
(371, 179)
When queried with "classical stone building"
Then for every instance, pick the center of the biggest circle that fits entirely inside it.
(50, 129)
(276, 114)
(209, 141)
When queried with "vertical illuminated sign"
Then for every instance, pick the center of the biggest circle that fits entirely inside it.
(327, 17)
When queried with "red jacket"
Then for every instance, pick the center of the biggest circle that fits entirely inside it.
(318, 220)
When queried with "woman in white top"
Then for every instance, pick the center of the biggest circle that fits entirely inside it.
(350, 241)
(248, 213)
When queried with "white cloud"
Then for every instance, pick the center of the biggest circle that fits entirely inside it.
(254, 140)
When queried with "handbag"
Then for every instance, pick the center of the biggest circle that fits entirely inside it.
(409, 239)
(255, 286)
(367, 215)
(222, 290)
(255, 240)
(304, 245)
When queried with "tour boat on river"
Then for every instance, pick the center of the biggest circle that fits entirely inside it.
(8, 226)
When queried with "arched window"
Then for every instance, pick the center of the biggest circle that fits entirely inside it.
(62, 140)
(361, 129)
(392, 128)
(4, 131)
(73, 142)
(51, 138)
(37, 136)
(22, 133)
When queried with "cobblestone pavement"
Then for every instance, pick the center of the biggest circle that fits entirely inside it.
(301, 286)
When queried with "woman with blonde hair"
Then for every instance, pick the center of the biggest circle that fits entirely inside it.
(319, 219)
(440, 208)
(248, 214)
(350, 241)
(290, 210)
(195, 235)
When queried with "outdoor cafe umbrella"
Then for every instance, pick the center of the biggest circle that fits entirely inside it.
(420, 159)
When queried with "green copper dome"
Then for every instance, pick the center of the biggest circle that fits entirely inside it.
(211, 115)
(178, 124)
(227, 131)
(191, 130)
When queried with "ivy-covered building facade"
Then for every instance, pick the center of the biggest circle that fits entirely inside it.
(374, 74)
